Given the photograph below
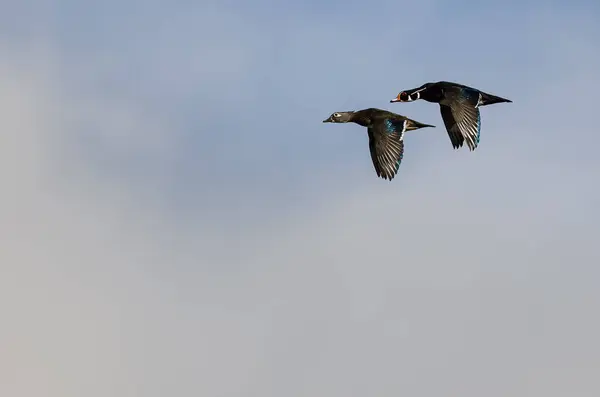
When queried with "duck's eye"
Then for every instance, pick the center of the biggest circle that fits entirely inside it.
(404, 96)
(336, 115)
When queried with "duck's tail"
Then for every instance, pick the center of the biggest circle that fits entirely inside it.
(415, 125)
(489, 99)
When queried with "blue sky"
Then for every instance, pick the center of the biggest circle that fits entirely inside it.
(178, 221)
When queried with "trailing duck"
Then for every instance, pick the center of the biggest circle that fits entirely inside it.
(459, 105)
(386, 136)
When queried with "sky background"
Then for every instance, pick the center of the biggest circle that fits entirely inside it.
(177, 221)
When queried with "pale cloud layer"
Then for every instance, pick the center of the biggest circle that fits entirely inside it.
(177, 221)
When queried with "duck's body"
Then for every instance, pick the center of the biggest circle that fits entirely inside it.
(459, 105)
(386, 136)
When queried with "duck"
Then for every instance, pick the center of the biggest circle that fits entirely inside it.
(386, 136)
(459, 105)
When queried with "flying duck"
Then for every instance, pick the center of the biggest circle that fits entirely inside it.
(386, 134)
(459, 105)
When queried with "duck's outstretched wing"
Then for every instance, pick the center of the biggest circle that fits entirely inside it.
(386, 144)
(463, 122)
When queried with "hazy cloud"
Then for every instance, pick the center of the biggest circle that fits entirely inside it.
(177, 221)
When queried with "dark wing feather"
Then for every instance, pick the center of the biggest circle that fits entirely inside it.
(455, 135)
(463, 123)
(387, 146)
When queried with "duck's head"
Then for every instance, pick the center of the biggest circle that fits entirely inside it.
(339, 117)
(411, 95)
(406, 96)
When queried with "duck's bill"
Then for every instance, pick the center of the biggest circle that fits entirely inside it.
(397, 99)
(327, 120)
